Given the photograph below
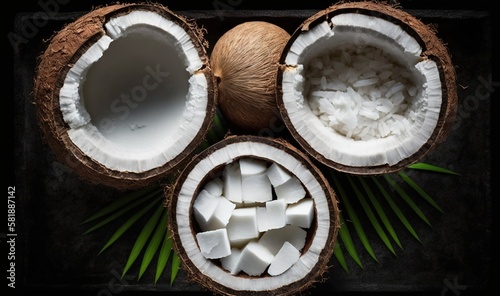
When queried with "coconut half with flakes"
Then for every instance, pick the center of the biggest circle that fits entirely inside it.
(124, 93)
(366, 88)
(253, 215)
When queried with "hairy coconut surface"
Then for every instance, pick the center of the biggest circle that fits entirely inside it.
(208, 166)
(244, 62)
(123, 94)
(346, 108)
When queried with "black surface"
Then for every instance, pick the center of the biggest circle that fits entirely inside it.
(53, 255)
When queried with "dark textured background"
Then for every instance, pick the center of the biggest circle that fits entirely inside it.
(54, 256)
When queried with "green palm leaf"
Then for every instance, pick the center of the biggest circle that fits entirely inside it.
(156, 239)
(396, 209)
(371, 216)
(337, 251)
(380, 211)
(120, 231)
(176, 263)
(143, 238)
(407, 199)
(432, 168)
(345, 236)
(121, 211)
(166, 247)
(420, 191)
(125, 199)
(354, 218)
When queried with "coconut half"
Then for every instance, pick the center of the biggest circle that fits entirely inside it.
(366, 88)
(124, 93)
(235, 252)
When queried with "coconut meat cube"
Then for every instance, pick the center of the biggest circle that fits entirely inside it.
(301, 213)
(284, 259)
(230, 263)
(276, 211)
(252, 166)
(214, 244)
(254, 259)
(256, 188)
(242, 225)
(215, 187)
(277, 175)
(262, 218)
(204, 207)
(222, 213)
(231, 177)
(291, 191)
(274, 239)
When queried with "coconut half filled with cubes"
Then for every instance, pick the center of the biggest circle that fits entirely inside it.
(366, 88)
(253, 215)
(124, 93)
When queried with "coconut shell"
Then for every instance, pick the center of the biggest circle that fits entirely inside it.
(63, 50)
(295, 288)
(244, 61)
(433, 48)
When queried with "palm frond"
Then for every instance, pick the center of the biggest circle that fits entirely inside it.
(420, 191)
(406, 197)
(371, 215)
(353, 216)
(165, 251)
(395, 208)
(122, 229)
(431, 168)
(154, 243)
(380, 211)
(176, 263)
(143, 237)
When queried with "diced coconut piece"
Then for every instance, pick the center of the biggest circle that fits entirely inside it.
(255, 258)
(242, 225)
(204, 207)
(222, 213)
(215, 187)
(214, 244)
(252, 166)
(277, 175)
(301, 213)
(284, 259)
(274, 239)
(276, 210)
(256, 188)
(231, 177)
(262, 218)
(231, 262)
(291, 191)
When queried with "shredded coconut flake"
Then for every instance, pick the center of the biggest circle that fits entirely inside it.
(360, 92)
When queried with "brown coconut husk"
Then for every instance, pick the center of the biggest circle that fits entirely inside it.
(244, 61)
(64, 48)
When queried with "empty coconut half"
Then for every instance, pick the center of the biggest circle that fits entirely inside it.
(366, 88)
(253, 215)
(124, 94)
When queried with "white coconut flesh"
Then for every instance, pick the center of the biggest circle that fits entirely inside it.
(261, 238)
(358, 91)
(134, 100)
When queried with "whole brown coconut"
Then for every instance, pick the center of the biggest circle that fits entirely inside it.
(244, 62)
(316, 241)
(366, 88)
(123, 94)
